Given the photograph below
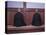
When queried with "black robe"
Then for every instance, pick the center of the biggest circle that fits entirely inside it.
(36, 19)
(19, 20)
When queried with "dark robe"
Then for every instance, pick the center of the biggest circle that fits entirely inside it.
(36, 19)
(19, 20)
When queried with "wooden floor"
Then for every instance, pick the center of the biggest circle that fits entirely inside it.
(24, 29)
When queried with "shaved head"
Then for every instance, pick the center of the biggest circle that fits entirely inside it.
(19, 10)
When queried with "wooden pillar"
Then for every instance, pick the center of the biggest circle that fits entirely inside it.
(24, 4)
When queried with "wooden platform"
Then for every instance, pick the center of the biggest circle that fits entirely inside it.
(23, 29)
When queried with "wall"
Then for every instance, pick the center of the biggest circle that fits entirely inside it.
(28, 15)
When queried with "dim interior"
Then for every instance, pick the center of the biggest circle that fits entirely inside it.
(27, 9)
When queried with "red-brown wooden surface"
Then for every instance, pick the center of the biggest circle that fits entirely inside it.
(28, 16)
